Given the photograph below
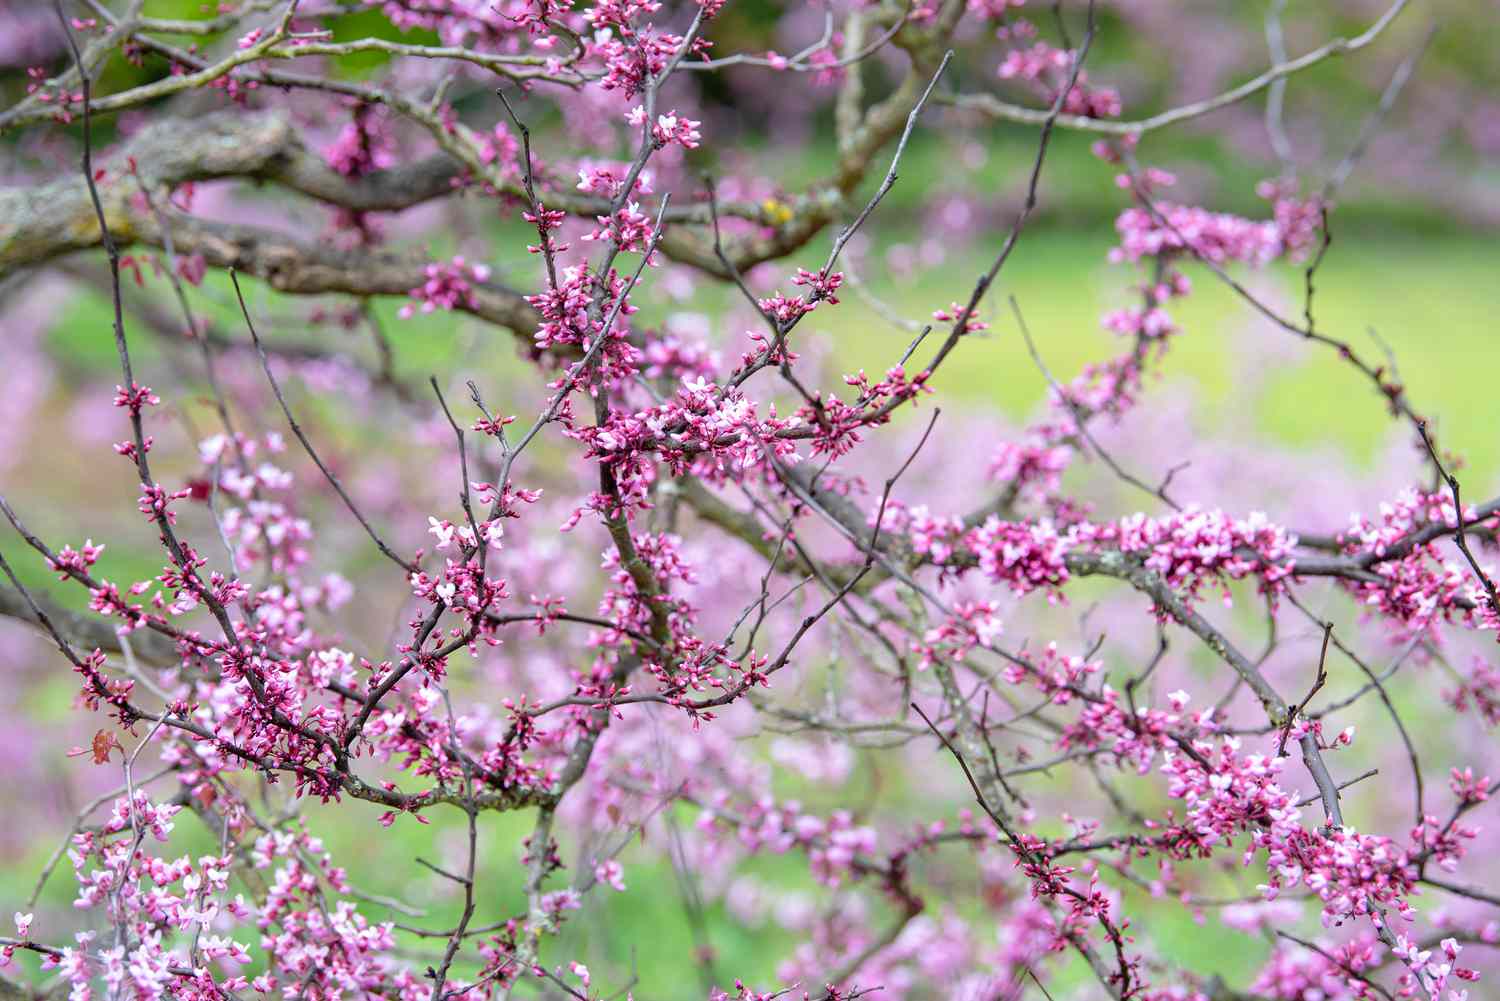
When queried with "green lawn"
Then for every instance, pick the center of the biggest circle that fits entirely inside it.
(1432, 301)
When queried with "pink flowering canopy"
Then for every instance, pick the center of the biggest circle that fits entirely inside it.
(691, 599)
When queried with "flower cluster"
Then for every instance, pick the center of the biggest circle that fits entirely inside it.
(1411, 582)
(365, 144)
(1048, 69)
(1220, 237)
(448, 286)
(1194, 546)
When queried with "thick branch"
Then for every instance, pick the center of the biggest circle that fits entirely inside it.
(36, 227)
(88, 631)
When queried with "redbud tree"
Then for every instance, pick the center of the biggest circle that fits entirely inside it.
(1007, 708)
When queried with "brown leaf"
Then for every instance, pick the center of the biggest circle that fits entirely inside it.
(104, 742)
